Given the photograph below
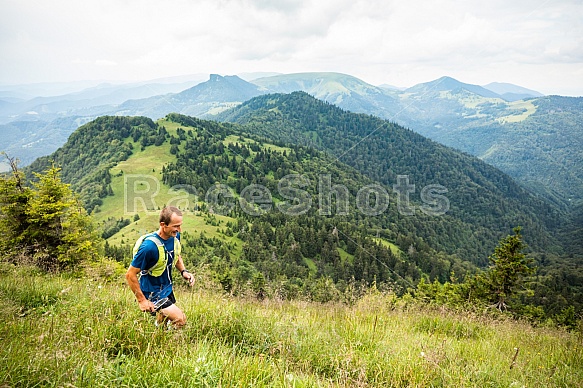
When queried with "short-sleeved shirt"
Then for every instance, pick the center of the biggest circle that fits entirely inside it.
(155, 287)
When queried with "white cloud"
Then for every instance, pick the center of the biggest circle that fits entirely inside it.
(535, 44)
(105, 62)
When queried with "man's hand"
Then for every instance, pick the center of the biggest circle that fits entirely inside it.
(147, 305)
(132, 279)
(188, 277)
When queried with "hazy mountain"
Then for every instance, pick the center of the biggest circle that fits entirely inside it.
(97, 99)
(391, 87)
(341, 90)
(29, 140)
(449, 84)
(60, 89)
(46, 89)
(511, 92)
(254, 75)
(203, 99)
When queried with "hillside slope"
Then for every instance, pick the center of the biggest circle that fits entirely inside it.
(536, 141)
(126, 168)
(262, 210)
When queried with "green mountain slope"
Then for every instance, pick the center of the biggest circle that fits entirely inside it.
(126, 168)
(483, 202)
(550, 143)
(94, 148)
(258, 209)
(530, 139)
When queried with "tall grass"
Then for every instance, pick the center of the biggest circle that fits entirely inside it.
(61, 331)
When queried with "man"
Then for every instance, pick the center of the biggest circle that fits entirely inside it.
(150, 273)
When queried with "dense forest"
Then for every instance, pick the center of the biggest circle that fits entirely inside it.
(294, 240)
(484, 202)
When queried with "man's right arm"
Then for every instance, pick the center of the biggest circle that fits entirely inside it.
(132, 280)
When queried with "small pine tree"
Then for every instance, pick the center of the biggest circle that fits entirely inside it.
(259, 285)
(46, 222)
(14, 198)
(508, 266)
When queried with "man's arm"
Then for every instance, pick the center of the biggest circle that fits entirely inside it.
(132, 280)
(185, 275)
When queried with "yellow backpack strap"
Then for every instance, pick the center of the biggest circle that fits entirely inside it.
(177, 248)
(160, 266)
(138, 244)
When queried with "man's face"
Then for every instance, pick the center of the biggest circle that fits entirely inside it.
(173, 227)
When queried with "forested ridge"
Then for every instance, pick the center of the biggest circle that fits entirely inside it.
(284, 246)
(484, 202)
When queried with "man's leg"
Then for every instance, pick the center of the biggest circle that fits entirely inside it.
(173, 314)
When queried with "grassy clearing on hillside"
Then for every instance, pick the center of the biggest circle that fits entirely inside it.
(144, 170)
(233, 139)
(394, 248)
(62, 331)
(522, 109)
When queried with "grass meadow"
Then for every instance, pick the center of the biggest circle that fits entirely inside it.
(65, 331)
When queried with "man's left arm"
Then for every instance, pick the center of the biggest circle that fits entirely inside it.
(183, 271)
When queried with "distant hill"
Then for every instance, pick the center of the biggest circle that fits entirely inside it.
(94, 100)
(30, 139)
(449, 84)
(532, 140)
(341, 90)
(511, 92)
(210, 97)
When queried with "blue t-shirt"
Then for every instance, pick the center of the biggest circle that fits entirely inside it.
(147, 256)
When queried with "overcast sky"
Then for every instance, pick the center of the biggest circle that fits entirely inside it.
(537, 44)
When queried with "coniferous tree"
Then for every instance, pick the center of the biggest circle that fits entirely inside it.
(46, 222)
(509, 267)
(14, 199)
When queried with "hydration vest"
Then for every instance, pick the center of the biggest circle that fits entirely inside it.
(158, 268)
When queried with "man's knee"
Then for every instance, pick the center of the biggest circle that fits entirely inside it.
(180, 320)
(175, 315)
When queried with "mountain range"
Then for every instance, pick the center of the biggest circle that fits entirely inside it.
(535, 139)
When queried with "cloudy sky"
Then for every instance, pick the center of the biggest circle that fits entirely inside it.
(537, 44)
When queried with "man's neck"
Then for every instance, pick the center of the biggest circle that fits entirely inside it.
(162, 235)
